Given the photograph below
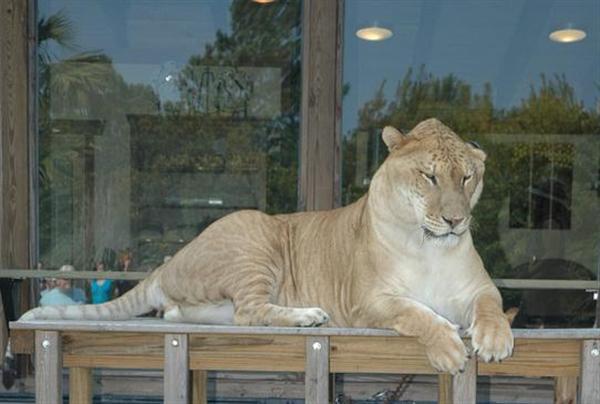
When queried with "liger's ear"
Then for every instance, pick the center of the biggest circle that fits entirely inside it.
(477, 150)
(392, 138)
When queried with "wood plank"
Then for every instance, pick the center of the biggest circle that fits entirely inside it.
(113, 350)
(319, 100)
(590, 372)
(80, 386)
(565, 390)
(445, 388)
(339, 85)
(537, 357)
(378, 355)
(53, 273)
(48, 368)
(565, 284)
(3, 331)
(22, 341)
(247, 352)
(176, 377)
(32, 117)
(199, 387)
(32, 273)
(316, 376)
(148, 324)
(14, 137)
(464, 385)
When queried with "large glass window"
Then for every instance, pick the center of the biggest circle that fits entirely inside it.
(509, 77)
(158, 117)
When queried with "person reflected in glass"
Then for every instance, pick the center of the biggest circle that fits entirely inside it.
(60, 291)
(101, 288)
(123, 286)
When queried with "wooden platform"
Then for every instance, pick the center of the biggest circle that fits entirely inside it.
(187, 351)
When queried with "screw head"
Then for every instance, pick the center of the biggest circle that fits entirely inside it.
(174, 342)
(595, 352)
(45, 344)
(316, 346)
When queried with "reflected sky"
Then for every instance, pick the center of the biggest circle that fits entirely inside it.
(147, 40)
(502, 42)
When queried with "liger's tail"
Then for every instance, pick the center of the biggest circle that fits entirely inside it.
(139, 300)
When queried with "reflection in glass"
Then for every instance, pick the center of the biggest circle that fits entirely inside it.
(493, 75)
(157, 118)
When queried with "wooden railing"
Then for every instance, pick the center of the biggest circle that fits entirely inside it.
(505, 283)
(186, 352)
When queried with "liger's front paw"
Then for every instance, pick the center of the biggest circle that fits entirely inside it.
(492, 338)
(309, 317)
(446, 351)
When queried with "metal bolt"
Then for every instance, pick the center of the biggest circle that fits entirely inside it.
(45, 344)
(595, 352)
(174, 342)
(317, 346)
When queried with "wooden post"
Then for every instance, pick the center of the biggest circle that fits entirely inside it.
(176, 369)
(320, 133)
(316, 377)
(565, 390)
(590, 372)
(80, 386)
(444, 388)
(464, 385)
(48, 367)
(3, 331)
(199, 386)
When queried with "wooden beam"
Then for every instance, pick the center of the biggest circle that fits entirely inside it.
(48, 366)
(80, 386)
(321, 112)
(445, 389)
(176, 370)
(3, 331)
(565, 390)
(590, 372)
(97, 350)
(531, 358)
(14, 137)
(316, 379)
(266, 353)
(150, 325)
(54, 273)
(464, 385)
(378, 355)
(199, 387)
(554, 284)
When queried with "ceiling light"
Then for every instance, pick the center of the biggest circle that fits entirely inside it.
(263, 1)
(374, 33)
(567, 35)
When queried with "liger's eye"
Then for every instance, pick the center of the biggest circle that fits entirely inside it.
(466, 179)
(430, 177)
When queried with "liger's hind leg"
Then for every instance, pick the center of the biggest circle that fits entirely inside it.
(253, 303)
(217, 314)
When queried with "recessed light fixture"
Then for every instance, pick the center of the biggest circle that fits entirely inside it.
(567, 35)
(374, 33)
(263, 1)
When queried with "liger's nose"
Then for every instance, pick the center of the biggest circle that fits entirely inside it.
(453, 221)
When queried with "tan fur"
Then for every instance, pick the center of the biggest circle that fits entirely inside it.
(390, 260)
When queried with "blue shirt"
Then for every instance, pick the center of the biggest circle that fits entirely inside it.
(101, 293)
(55, 297)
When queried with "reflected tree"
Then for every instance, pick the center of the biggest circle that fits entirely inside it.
(551, 109)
